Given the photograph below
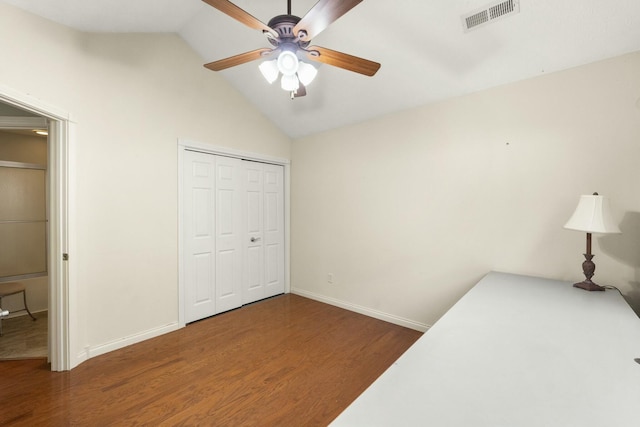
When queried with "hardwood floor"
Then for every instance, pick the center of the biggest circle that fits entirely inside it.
(286, 361)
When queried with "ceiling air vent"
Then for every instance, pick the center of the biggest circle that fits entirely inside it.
(490, 13)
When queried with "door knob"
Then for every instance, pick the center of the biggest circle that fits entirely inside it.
(255, 239)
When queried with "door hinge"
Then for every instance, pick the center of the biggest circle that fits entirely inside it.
(65, 257)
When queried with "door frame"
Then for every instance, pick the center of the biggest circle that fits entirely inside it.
(184, 145)
(61, 239)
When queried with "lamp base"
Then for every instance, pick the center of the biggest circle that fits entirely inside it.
(588, 285)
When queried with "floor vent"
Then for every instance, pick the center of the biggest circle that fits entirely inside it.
(490, 13)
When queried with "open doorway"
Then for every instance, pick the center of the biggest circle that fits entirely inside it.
(59, 207)
(24, 281)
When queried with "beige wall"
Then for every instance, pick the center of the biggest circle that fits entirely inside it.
(15, 147)
(410, 210)
(131, 97)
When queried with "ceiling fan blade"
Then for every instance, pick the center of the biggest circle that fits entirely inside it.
(342, 60)
(240, 15)
(321, 16)
(237, 59)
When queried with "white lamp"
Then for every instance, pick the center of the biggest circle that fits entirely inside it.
(289, 83)
(306, 73)
(294, 72)
(592, 215)
(269, 70)
(288, 63)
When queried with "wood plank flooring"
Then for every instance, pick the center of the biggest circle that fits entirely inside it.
(286, 361)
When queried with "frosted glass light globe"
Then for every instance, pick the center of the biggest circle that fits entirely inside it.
(289, 83)
(269, 70)
(306, 73)
(288, 63)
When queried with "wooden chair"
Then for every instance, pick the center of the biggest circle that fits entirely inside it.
(12, 288)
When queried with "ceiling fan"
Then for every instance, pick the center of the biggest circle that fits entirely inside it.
(290, 37)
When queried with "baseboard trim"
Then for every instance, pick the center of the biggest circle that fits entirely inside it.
(93, 351)
(407, 323)
(14, 314)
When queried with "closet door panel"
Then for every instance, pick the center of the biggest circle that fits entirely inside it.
(229, 233)
(199, 238)
(253, 289)
(274, 229)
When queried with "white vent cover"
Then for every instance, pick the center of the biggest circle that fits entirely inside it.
(489, 13)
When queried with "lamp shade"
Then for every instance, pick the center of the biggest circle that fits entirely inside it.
(269, 70)
(288, 63)
(593, 215)
(289, 83)
(306, 73)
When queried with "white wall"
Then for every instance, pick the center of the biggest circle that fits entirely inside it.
(131, 96)
(410, 210)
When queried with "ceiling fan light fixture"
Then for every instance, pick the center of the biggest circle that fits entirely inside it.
(288, 63)
(269, 70)
(306, 73)
(290, 37)
(290, 83)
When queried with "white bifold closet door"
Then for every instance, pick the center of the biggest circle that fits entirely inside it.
(233, 228)
(264, 251)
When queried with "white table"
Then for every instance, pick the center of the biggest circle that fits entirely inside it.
(515, 351)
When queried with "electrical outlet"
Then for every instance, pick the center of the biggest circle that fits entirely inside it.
(330, 277)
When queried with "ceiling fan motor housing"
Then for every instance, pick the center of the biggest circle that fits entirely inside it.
(283, 25)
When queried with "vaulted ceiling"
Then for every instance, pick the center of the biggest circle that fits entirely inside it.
(425, 53)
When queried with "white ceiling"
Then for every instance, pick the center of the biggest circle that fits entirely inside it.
(425, 54)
